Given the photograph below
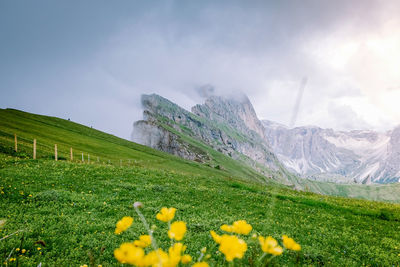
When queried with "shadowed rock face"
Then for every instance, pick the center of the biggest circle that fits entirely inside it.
(164, 140)
(363, 156)
(229, 126)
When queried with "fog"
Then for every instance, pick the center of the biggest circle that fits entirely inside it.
(90, 61)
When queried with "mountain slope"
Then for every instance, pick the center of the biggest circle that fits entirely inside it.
(108, 148)
(208, 133)
(69, 209)
(224, 134)
(360, 156)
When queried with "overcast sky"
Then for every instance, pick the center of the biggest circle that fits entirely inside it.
(91, 60)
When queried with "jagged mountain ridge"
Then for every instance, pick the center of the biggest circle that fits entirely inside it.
(229, 126)
(339, 156)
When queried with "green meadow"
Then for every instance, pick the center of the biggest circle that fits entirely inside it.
(65, 211)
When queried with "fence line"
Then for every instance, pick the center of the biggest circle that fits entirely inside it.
(20, 143)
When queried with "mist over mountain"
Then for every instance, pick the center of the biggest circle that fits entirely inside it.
(360, 156)
(221, 125)
(230, 125)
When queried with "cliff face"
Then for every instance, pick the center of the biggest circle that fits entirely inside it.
(155, 136)
(236, 128)
(151, 132)
(229, 126)
(238, 113)
(337, 156)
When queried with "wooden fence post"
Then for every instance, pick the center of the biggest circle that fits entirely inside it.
(83, 160)
(15, 143)
(71, 155)
(55, 152)
(34, 148)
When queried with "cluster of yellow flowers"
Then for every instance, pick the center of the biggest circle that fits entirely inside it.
(230, 245)
(129, 253)
(234, 247)
(239, 227)
(134, 253)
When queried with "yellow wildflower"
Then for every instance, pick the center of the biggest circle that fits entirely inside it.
(175, 253)
(238, 227)
(227, 228)
(128, 253)
(39, 248)
(160, 258)
(201, 264)
(186, 259)
(166, 214)
(216, 237)
(177, 248)
(289, 243)
(85, 265)
(12, 259)
(23, 250)
(123, 224)
(232, 247)
(242, 227)
(144, 241)
(17, 249)
(177, 230)
(152, 259)
(270, 245)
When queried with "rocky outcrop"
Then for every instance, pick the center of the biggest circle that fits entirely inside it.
(229, 126)
(164, 140)
(237, 112)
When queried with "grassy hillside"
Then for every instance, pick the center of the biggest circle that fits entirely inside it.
(378, 192)
(69, 209)
(99, 145)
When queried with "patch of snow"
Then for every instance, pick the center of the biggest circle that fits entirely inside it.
(361, 146)
(369, 171)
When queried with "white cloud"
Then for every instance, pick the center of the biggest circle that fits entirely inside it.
(347, 49)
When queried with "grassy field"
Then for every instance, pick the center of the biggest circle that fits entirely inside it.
(69, 209)
(108, 148)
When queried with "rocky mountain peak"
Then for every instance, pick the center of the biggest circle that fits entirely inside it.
(359, 155)
(237, 111)
(227, 125)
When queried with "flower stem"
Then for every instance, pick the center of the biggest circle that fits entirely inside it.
(200, 257)
(266, 263)
(262, 257)
(146, 225)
